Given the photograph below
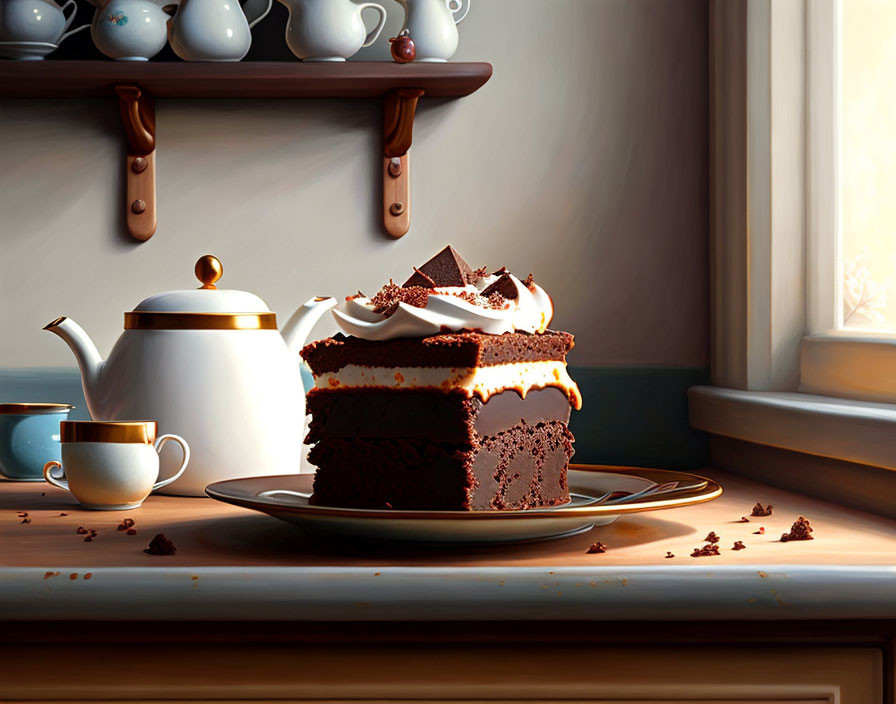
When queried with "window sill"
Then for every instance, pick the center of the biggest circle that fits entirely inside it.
(853, 431)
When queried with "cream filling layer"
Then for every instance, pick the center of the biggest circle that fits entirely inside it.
(483, 382)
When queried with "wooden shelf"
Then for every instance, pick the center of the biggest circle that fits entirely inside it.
(137, 85)
(352, 79)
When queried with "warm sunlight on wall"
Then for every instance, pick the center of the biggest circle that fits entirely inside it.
(868, 159)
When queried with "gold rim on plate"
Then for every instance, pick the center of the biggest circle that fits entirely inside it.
(675, 498)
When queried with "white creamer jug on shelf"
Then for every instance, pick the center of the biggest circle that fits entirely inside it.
(214, 30)
(432, 26)
(129, 30)
(329, 30)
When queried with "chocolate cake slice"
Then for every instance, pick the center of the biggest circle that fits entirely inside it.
(452, 419)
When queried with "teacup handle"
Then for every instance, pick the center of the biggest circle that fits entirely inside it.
(71, 17)
(68, 34)
(55, 481)
(160, 443)
(375, 32)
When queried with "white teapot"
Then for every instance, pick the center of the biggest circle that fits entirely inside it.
(329, 30)
(37, 21)
(213, 30)
(431, 24)
(211, 366)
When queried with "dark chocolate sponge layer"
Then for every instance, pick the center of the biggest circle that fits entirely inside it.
(449, 417)
(463, 349)
(522, 467)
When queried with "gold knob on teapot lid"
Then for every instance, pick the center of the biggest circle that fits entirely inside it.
(208, 270)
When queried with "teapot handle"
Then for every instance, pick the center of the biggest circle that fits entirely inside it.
(261, 16)
(375, 32)
(454, 6)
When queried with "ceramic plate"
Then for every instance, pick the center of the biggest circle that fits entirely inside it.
(25, 51)
(586, 484)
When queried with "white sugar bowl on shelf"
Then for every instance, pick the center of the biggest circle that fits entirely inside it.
(129, 30)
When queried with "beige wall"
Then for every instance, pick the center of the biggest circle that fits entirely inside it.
(583, 160)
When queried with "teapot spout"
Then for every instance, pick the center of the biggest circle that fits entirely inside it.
(296, 330)
(86, 353)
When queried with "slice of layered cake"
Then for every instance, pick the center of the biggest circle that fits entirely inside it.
(446, 393)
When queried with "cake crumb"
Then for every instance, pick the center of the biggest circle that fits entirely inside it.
(739, 545)
(131, 531)
(743, 519)
(669, 554)
(160, 545)
(63, 514)
(596, 548)
(47, 575)
(126, 523)
(22, 514)
(81, 530)
(711, 538)
(758, 510)
(761, 531)
(800, 530)
(706, 550)
(26, 520)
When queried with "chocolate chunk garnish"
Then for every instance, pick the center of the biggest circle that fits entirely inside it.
(503, 286)
(706, 550)
(596, 548)
(758, 510)
(739, 545)
(447, 268)
(419, 279)
(711, 538)
(160, 545)
(387, 300)
(800, 530)
(481, 272)
(529, 283)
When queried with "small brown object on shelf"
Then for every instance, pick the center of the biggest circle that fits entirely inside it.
(800, 530)
(706, 551)
(596, 548)
(403, 49)
(739, 545)
(711, 538)
(160, 545)
(758, 510)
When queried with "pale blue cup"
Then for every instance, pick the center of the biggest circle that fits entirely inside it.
(29, 438)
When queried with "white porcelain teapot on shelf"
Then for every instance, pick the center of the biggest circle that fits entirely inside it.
(214, 30)
(330, 30)
(210, 366)
(432, 26)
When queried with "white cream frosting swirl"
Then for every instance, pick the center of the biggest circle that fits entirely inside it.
(446, 311)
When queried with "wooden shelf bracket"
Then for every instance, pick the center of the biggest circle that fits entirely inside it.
(138, 114)
(399, 109)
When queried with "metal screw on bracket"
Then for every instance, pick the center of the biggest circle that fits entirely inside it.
(139, 165)
(396, 208)
(395, 167)
(138, 206)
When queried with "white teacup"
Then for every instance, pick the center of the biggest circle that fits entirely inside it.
(36, 21)
(111, 465)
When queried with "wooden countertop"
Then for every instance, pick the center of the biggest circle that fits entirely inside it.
(254, 559)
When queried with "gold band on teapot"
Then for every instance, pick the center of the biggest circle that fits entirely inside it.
(137, 431)
(148, 320)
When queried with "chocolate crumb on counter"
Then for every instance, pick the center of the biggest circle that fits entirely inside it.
(81, 530)
(711, 538)
(596, 548)
(131, 531)
(743, 519)
(126, 523)
(800, 530)
(63, 514)
(739, 545)
(160, 545)
(669, 554)
(706, 550)
(26, 520)
(88, 539)
(758, 510)
(22, 514)
(761, 531)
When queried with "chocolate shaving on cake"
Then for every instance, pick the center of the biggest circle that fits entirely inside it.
(481, 272)
(447, 268)
(596, 548)
(357, 295)
(387, 300)
(739, 545)
(758, 510)
(160, 545)
(800, 530)
(504, 286)
(706, 551)
(529, 283)
(711, 538)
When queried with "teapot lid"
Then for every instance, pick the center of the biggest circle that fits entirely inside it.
(207, 307)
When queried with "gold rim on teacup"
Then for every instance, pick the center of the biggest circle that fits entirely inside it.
(14, 409)
(142, 431)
